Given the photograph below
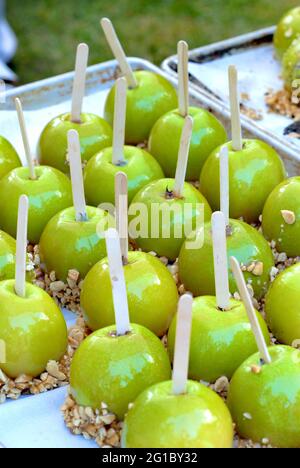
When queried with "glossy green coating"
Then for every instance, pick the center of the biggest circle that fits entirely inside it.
(48, 194)
(220, 341)
(32, 328)
(287, 236)
(291, 64)
(99, 174)
(267, 405)
(69, 244)
(287, 30)
(159, 419)
(116, 369)
(196, 266)
(253, 174)
(151, 291)
(8, 258)
(152, 98)
(9, 158)
(94, 134)
(208, 134)
(282, 305)
(160, 222)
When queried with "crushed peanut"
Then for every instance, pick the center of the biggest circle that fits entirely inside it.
(288, 216)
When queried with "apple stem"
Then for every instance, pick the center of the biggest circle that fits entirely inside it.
(224, 183)
(183, 156)
(25, 139)
(245, 295)
(21, 251)
(76, 175)
(82, 55)
(121, 202)
(182, 344)
(117, 277)
(183, 78)
(118, 158)
(220, 260)
(236, 129)
(118, 51)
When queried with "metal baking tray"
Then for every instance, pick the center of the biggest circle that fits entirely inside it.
(259, 72)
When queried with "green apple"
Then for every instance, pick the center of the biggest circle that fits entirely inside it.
(48, 194)
(8, 258)
(94, 134)
(69, 244)
(196, 266)
(282, 306)
(196, 419)
(99, 174)
(9, 158)
(266, 404)
(281, 217)
(291, 64)
(152, 98)
(208, 134)
(166, 219)
(253, 173)
(112, 369)
(220, 340)
(287, 30)
(33, 330)
(151, 290)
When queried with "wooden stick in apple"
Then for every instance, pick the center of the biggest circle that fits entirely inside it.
(118, 51)
(183, 78)
(245, 296)
(121, 204)
(117, 277)
(183, 156)
(25, 138)
(119, 123)
(236, 129)
(21, 251)
(79, 82)
(182, 344)
(224, 183)
(220, 260)
(76, 175)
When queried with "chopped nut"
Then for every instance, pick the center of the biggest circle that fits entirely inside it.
(247, 416)
(53, 369)
(57, 286)
(296, 344)
(256, 369)
(288, 216)
(258, 269)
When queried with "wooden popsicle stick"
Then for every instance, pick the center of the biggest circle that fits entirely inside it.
(118, 51)
(183, 78)
(220, 260)
(244, 293)
(182, 344)
(121, 203)
(79, 82)
(117, 277)
(76, 175)
(224, 183)
(21, 251)
(119, 123)
(25, 138)
(236, 129)
(183, 156)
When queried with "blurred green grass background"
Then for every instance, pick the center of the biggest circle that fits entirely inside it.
(49, 30)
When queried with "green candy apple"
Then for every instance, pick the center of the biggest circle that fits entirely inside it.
(94, 134)
(32, 328)
(253, 173)
(265, 405)
(208, 134)
(282, 306)
(196, 419)
(48, 194)
(281, 217)
(220, 340)
(99, 174)
(291, 64)
(153, 97)
(196, 266)
(166, 219)
(69, 244)
(112, 369)
(287, 30)
(8, 258)
(9, 158)
(151, 290)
